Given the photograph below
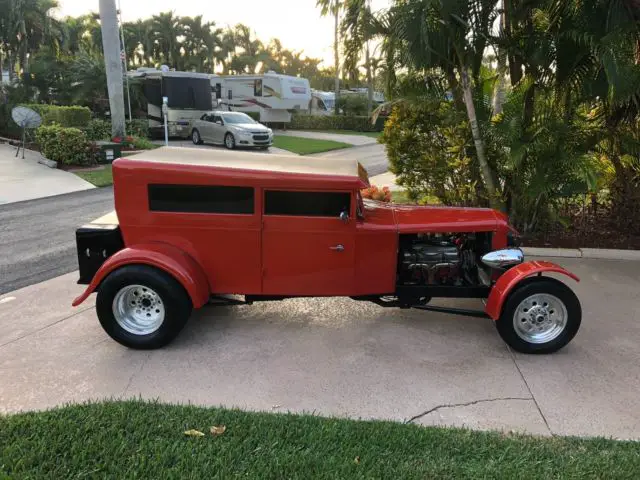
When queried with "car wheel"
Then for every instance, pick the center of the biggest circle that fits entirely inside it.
(196, 138)
(541, 315)
(229, 141)
(142, 307)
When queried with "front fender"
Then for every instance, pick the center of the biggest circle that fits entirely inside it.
(164, 257)
(512, 277)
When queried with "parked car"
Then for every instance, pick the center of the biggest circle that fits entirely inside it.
(194, 226)
(231, 129)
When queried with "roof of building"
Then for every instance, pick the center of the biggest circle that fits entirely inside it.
(254, 161)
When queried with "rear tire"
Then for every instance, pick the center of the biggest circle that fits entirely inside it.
(142, 307)
(229, 141)
(196, 138)
(540, 316)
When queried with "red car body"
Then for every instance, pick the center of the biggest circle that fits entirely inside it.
(258, 254)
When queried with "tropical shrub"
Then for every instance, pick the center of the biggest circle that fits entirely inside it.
(67, 146)
(353, 105)
(98, 130)
(336, 122)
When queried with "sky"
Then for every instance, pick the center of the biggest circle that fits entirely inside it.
(297, 23)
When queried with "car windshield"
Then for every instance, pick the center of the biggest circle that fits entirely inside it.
(237, 118)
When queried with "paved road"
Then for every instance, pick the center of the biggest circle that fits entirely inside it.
(37, 237)
(344, 358)
(372, 157)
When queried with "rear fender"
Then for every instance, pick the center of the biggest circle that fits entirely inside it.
(165, 257)
(510, 280)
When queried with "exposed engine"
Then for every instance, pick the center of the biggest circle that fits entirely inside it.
(440, 259)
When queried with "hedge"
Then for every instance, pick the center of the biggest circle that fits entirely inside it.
(67, 146)
(101, 129)
(336, 122)
(77, 117)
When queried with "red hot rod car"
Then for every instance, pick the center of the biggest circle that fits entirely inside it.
(195, 227)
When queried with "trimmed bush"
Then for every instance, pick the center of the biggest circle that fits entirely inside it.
(254, 115)
(336, 122)
(77, 117)
(138, 128)
(101, 129)
(98, 130)
(67, 146)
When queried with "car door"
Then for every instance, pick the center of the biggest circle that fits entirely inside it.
(217, 129)
(204, 127)
(307, 248)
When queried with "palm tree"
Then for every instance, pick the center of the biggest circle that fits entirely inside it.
(450, 37)
(357, 30)
(201, 42)
(167, 29)
(333, 7)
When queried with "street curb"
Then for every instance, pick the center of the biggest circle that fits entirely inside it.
(593, 253)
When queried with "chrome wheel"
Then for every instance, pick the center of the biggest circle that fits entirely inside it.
(138, 310)
(196, 137)
(229, 141)
(540, 318)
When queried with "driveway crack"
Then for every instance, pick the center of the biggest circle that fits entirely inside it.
(137, 372)
(467, 404)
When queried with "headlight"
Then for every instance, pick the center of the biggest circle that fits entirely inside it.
(270, 132)
(243, 134)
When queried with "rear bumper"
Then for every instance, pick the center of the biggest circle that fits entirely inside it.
(95, 244)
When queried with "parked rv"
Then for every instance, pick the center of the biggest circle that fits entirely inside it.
(322, 103)
(188, 95)
(273, 96)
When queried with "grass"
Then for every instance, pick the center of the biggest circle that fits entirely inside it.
(351, 132)
(100, 178)
(147, 440)
(307, 146)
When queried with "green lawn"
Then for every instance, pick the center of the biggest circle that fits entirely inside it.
(140, 440)
(100, 178)
(307, 146)
(351, 132)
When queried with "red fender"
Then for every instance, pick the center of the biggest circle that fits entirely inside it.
(163, 256)
(507, 282)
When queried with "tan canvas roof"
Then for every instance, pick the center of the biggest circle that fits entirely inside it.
(251, 161)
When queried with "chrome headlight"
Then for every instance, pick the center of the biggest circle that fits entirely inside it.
(504, 258)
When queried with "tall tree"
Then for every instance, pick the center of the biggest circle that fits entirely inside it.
(357, 30)
(334, 7)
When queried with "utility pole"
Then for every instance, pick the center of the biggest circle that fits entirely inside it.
(113, 65)
(336, 50)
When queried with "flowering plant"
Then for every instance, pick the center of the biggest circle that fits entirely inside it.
(375, 193)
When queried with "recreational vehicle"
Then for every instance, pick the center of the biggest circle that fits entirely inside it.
(272, 95)
(188, 95)
(322, 103)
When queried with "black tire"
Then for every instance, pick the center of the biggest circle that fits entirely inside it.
(229, 141)
(175, 302)
(529, 288)
(196, 138)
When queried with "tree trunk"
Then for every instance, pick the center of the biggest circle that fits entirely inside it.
(12, 68)
(336, 52)
(499, 93)
(369, 81)
(488, 176)
(113, 64)
(515, 63)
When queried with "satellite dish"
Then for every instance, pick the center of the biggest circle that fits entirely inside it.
(25, 118)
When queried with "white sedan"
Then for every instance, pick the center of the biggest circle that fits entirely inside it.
(231, 129)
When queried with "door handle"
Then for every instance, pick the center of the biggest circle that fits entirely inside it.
(338, 248)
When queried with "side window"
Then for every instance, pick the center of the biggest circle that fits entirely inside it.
(216, 118)
(201, 199)
(307, 204)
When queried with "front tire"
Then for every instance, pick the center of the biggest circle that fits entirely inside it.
(229, 141)
(540, 316)
(142, 307)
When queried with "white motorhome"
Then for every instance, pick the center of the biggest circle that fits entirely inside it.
(189, 97)
(322, 103)
(272, 95)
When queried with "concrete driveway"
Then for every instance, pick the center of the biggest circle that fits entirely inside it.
(343, 358)
(353, 139)
(27, 179)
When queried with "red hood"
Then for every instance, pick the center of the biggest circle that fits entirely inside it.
(416, 219)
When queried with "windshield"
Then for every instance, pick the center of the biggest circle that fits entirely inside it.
(329, 103)
(237, 118)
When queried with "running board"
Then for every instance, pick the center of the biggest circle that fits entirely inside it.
(454, 311)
